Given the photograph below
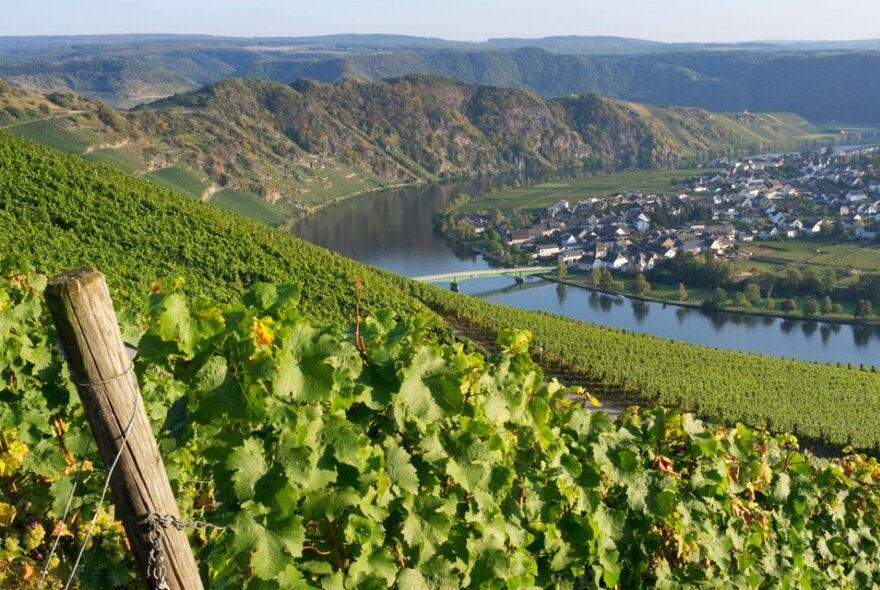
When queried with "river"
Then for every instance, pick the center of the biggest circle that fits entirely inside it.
(394, 230)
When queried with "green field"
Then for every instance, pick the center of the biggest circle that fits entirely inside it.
(118, 158)
(253, 206)
(179, 179)
(544, 194)
(58, 214)
(819, 254)
(820, 402)
(332, 182)
(51, 133)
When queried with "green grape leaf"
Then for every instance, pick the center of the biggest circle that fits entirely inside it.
(279, 301)
(427, 525)
(248, 464)
(399, 469)
(415, 397)
(270, 541)
(410, 579)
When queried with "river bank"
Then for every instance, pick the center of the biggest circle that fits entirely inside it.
(584, 283)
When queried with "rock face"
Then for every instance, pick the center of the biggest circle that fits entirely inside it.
(426, 127)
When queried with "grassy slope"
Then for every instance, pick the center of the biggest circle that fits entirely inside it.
(62, 212)
(54, 133)
(177, 179)
(816, 254)
(544, 194)
(702, 129)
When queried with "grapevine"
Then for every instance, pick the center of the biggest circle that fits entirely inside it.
(397, 459)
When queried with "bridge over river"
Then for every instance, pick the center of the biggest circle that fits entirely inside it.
(454, 278)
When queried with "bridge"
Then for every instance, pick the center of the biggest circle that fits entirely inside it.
(518, 273)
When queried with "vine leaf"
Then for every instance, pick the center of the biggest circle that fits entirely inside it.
(248, 464)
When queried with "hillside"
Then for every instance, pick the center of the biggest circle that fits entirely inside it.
(60, 212)
(394, 451)
(274, 152)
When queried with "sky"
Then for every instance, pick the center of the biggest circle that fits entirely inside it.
(473, 20)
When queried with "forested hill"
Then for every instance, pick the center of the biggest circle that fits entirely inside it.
(823, 82)
(272, 151)
(821, 86)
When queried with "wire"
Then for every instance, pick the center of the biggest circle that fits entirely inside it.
(122, 447)
(70, 496)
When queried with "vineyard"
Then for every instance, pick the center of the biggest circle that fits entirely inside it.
(378, 456)
(820, 402)
(60, 212)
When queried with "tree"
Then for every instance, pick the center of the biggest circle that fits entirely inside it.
(682, 292)
(740, 300)
(719, 297)
(769, 303)
(460, 200)
(864, 309)
(827, 280)
(752, 293)
(596, 276)
(827, 305)
(811, 307)
(561, 267)
(602, 278)
(641, 286)
(789, 305)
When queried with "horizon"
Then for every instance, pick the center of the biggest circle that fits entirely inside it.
(452, 40)
(674, 21)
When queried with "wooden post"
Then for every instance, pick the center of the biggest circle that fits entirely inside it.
(80, 305)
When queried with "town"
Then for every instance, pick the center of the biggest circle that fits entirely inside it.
(820, 194)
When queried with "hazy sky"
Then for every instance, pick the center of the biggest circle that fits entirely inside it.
(663, 20)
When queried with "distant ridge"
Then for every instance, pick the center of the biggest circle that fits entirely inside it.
(822, 81)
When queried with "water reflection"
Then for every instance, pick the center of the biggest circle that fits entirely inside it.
(394, 229)
(809, 328)
(681, 313)
(782, 337)
(717, 320)
(640, 310)
(862, 334)
(561, 293)
(749, 320)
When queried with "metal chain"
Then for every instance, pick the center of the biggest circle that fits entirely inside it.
(156, 569)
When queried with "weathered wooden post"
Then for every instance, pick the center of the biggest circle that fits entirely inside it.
(80, 305)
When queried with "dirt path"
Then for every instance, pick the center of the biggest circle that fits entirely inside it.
(209, 192)
(106, 146)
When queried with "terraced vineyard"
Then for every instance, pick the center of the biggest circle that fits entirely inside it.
(821, 402)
